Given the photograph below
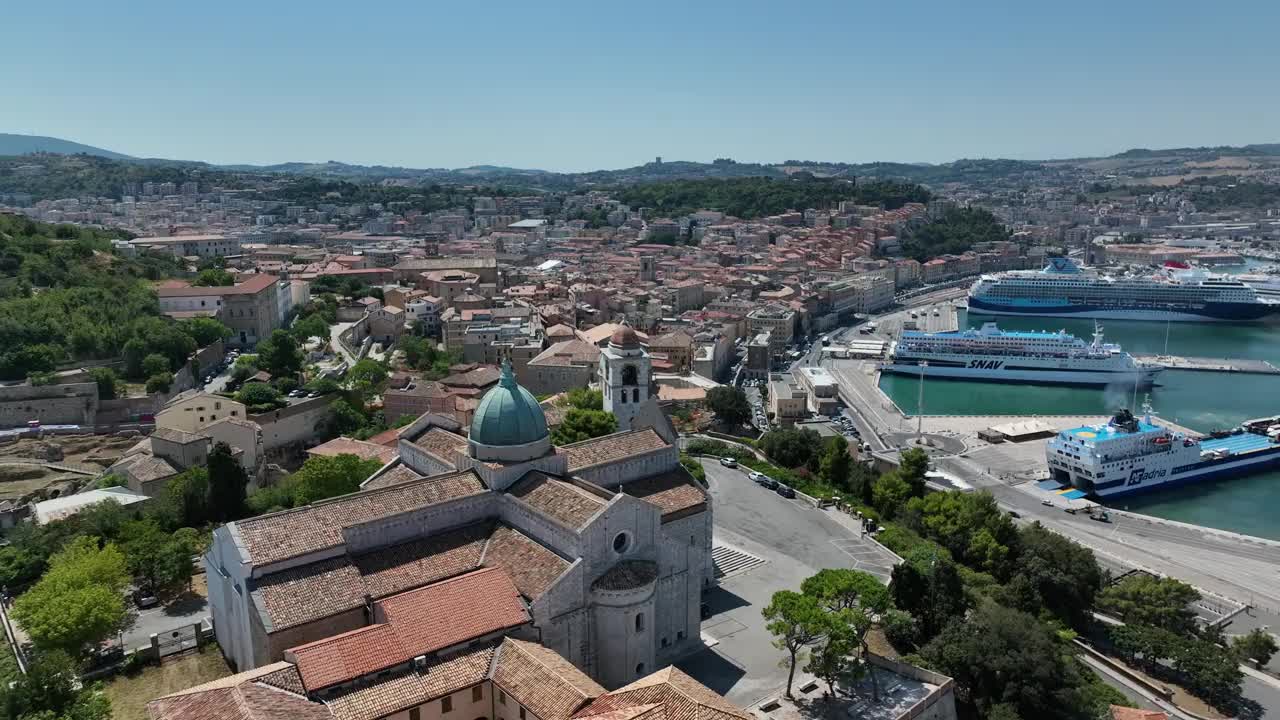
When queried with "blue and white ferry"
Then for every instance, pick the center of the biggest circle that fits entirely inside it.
(1128, 455)
(1063, 289)
(994, 355)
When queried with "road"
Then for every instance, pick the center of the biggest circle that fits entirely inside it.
(779, 543)
(1244, 571)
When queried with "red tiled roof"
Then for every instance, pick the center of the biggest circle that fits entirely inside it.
(348, 656)
(453, 611)
(279, 536)
(350, 446)
(610, 448)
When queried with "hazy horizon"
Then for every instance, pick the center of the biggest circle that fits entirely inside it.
(580, 87)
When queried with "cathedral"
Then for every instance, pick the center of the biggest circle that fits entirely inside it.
(598, 551)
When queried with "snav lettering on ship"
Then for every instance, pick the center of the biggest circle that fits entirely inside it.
(986, 364)
(1137, 476)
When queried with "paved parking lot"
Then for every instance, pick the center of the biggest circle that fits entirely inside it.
(766, 543)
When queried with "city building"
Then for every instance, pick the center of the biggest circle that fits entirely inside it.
(599, 550)
(779, 321)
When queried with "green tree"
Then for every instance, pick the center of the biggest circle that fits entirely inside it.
(107, 381)
(155, 364)
(1257, 645)
(320, 478)
(832, 658)
(955, 520)
(367, 377)
(729, 404)
(79, 601)
(308, 327)
(579, 425)
(928, 585)
(185, 502)
(955, 231)
(228, 483)
(1148, 600)
(837, 463)
(259, 397)
(913, 464)
(1063, 575)
(213, 277)
(279, 354)
(584, 399)
(889, 495)
(345, 418)
(1000, 656)
(791, 447)
(838, 589)
(796, 622)
(159, 563)
(852, 597)
(205, 331)
(49, 689)
(160, 382)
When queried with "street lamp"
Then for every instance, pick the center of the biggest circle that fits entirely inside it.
(920, 405)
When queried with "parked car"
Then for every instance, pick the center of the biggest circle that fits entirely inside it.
(785, 491)
(728, 462)
(144, 599)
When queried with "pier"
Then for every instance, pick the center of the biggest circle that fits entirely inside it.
(1203, 364)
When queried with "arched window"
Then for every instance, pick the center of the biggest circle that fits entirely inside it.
(630, 375)
(639, 622)
(635, 394)
(640, 669)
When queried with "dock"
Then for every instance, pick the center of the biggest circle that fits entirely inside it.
(1203, 364)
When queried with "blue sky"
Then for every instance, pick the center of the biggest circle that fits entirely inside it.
(579, 86)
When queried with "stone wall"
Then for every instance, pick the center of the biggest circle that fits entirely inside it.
(67, 404)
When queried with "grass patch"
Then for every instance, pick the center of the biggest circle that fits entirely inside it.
(803, 483)
(130, 694)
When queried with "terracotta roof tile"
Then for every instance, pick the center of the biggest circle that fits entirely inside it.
(541, 680)
(562, 501)
(442, 443)
(532, 567)
(348, 655)
(682, 698)
(238, 697)
(286, 678)
(397, 474)
(674, 492)
(390, 570)
(283, 535)
(452, 611)
(301, 595)
(413, 687)
(610, 448)
(350, 446)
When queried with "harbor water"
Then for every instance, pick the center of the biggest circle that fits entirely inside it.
(1201, 401)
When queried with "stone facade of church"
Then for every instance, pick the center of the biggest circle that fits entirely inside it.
(608, 541)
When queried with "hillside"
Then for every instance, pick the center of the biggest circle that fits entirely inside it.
(1157, 167)
(11, 144)
(65, 296)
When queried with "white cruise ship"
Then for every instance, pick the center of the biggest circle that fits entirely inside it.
(1128, 455)
(992, 354)
(1063, 289)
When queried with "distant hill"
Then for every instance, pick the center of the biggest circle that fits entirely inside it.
(11, 144)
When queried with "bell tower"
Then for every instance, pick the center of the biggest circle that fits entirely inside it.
(625, 376)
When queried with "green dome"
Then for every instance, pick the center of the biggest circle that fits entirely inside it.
(508, 415)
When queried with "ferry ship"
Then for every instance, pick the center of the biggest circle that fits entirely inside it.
(1129, 455)
(992, 354)
(1063, 289)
